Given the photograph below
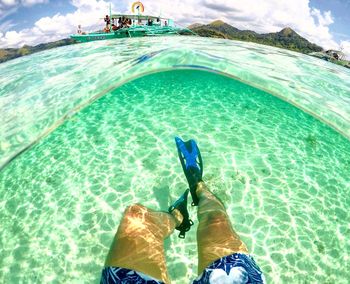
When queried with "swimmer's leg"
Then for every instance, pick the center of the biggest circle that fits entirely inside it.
(215, 235)
(138, 243)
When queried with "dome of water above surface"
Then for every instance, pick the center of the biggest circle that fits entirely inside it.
(39, 91)
(282, 174)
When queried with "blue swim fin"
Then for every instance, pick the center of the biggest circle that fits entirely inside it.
(192, 164)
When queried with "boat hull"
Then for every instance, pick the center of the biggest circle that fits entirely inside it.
(105, 36)
(126, 32)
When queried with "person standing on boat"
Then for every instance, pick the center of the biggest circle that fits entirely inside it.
(107, 21)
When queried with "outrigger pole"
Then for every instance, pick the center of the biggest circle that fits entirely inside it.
(110, 16)
(138, 15)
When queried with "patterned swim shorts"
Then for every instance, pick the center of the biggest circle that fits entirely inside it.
(114, 275)
(235, 268)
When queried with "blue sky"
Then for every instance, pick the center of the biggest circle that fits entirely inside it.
(29, 15)
(340, 9)
(34, 21)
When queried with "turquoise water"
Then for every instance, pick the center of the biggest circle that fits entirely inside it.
(282, 173)
(38, 92)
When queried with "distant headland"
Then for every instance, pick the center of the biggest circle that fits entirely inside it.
(286, 38)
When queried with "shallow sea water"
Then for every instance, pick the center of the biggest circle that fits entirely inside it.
(282, 174)
(38, 92)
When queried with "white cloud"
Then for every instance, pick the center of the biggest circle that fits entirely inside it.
(345, 47)
(323, 19)
(8, 2)
(33, 2)
(87, 14)
(22, 2)
(260, 16)
(8, 7)
(7, 25)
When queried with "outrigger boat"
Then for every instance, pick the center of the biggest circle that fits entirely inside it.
(134, 25)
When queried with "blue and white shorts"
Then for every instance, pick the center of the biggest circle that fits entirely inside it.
(232, 269)
(113, 275)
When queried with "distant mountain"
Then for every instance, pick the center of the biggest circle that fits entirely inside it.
(286, 38)
(10, 53)
(195, 25)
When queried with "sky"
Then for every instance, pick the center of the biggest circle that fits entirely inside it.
(30, 22)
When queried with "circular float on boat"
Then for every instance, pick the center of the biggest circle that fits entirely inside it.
(137, 6)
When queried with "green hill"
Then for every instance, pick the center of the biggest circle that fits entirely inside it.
(286, 38)
(10, 53)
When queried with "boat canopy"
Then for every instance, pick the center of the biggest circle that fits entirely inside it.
(136, 17)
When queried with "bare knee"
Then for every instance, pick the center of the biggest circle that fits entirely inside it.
(133, 220)
(135, 210)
